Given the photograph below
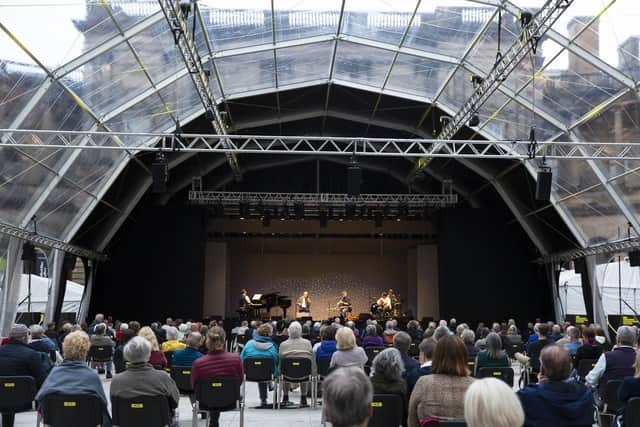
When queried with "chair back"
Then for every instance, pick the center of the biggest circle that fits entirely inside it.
(182, 377)
(512, 349)
(169, 356)
(151, 411)
(218, 393)
(471, 365)
(504, 374)
(632, 412)
(323, 366)
(100, 353)
(258, 369)
(414, 350)
(53, 356)
(17, 394)
(78, 410)
(241, 340)
(386, 411)
(296, 369)
(372, 352)
(610, 396)
(584, 366)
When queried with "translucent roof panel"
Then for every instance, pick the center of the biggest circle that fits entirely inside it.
(247, 72)
(157, 51)
(515, 120)
(296, 19)
(304, 63)
(4, 247)
(362, 64)
(149, 115)
(418, 76)
(379, 20)
(182, 97)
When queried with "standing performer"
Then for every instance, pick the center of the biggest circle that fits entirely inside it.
(344, 304)
(304, 303)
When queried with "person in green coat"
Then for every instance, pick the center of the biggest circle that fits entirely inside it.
(493, 356)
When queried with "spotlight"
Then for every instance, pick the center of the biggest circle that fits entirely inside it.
(476, 80)
(324, 219)
(474, 121)
(244, 211)
(298, 208)
(634, 258)
(160, 174)
(377, 218)
(543, 183)
(354, 179)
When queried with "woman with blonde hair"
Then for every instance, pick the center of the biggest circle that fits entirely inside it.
(490, 402)
(348, 353)
(157, 359)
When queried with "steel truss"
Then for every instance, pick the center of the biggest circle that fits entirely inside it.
(48, 242)
(327, 146)
(321, 199)
(606, 248)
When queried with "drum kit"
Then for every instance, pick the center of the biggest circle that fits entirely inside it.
(381, 313)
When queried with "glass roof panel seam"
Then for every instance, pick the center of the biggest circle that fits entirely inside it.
(210, 50)
(332, 64)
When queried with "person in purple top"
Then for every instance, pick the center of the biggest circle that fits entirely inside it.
(372, 339)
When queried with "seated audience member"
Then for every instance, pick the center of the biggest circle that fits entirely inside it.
(157, 359)
(556, 401)
(440, 395)
(414, 330)
(590, 348)
(387, 372)
(96, 321)
(556, 333)
(73, 376)
(601, 338)
(262, 346)
(535, 348)
(512, 338)
(493, 356)
(39, 341)
(352, 325)
(187, 355)
(99, 339)
(490, 402)
(372, 339)
(630, 388)
(426, 354)
(51, 332)
(348, 353)
(183, 329)
(481, 335)
(327, 345)
(469, 338)
(402, 341)
(296, 346)
(140, 379)
(571, 340)
(64, 331)
(346, 398)
(161, 335)
(122, 327)
(172, 343)
(441, 331)
(617, 363)
(428, 333)
(389, 332)
(118, 356)
(216, 363)
(18, 359)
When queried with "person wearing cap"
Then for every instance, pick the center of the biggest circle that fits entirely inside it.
(18, 359)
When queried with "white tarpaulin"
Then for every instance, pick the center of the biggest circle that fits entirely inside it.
(614, 280)
(40, 294)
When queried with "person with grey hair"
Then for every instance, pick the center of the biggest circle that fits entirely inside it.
(187, 355)
(469, 339)
(490, 402)
(372, 339)
(296, 346)
(617, 363)
(39, 341)
(387, 372)
(493, 356)
(172, 343)
(346, 398)
(440, 332)
(572, 340)
(99, 339)
(17, 359)
(140, 379)
(389, 332)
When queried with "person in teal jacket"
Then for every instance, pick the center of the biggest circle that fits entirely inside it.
(493, 356)
(262, 346)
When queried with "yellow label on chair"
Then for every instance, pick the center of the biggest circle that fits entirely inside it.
(497, 374)
(376, 404)
(186, 372)
(295, 363)
(137, 405)
(9, 385)
(216, 384)
(70, 404)
(257, 363)
(100, 348)
(471, 363)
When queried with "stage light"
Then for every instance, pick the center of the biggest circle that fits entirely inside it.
(244, 210)
(403, 213)
(543, 183)
(474, 121)
(354, 179)
(324, 219)
(28, 252)
(525, 18)
(185, 7)
(298, 208)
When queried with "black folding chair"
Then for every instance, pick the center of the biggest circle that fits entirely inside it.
(372, 352)
(504, 374)
(632, 412)
(218, 394)
(78, 410)
(100, 353)
(584, 366)
(259, 370)
(323, 366)
(17, 394)
(512, 349)
(182, 377)
(386, 411)
(148, 411)
(297, 370)
(414, 350)
(169, 356)
(241, 340)
(610, 402)
(471, 365)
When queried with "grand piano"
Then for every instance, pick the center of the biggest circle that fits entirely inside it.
(265, 302)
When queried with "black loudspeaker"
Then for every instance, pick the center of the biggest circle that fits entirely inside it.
(354, 178)
(160, 175)
(580, 265)
(634, 259)
(543, 185)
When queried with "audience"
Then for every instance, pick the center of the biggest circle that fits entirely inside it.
(118, 356)
(216, 363)
(402, 342)
(556, 333)
(513, 337)
(347, 395)
(617, 363)
(73, 376)
(372, 339)
(389, 332)
(555, 400)
(190, 353)
(157, 359)
(572, 340)
(296, 346)
(630, 388)
(414, 330)
(426, 348)
(41, 342)
(327, 345)
(262, 346)
(387, 372)
(172, 343)
(140, 379)
(348, 353)
(99, 339)
(490, 402)
(468, 338)
(493, 356)
(590, 348)
(535, 348)
(441, 331)
(440, 394)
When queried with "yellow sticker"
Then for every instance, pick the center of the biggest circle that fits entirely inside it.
(137, 405)
(376, 404)
(497, 374)
(216, 384)
(295, 363)
(72, 404)
(8, 385)
(257, 363)
(186, 372)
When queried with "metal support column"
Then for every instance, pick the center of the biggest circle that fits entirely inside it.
(11, 286)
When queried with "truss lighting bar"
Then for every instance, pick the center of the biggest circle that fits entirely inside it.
(607, 248)
(322, 199)
(178, 23)
(48, 242)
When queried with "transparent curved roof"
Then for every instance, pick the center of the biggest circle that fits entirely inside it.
(113, 65)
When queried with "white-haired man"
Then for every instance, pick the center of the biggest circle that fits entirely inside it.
(346, 398)
(296, 346)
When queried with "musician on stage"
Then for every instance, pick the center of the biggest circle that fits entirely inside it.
(244, 303)
(384, 302)
(304, 303)
(344, 304)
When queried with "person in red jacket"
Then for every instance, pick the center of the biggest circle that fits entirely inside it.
(216, 363)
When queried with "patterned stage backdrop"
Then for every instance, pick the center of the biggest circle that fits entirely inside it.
(324, 276)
